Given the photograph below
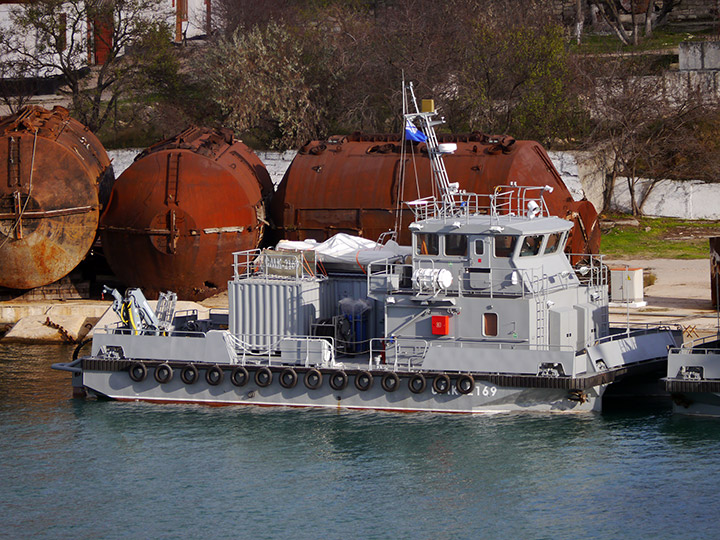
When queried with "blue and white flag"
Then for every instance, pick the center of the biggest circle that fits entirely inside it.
(414, 134)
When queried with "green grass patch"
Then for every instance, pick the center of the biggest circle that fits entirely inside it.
(661, 39)
(658, 238)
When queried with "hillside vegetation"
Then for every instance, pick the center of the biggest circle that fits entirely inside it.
(280, 73)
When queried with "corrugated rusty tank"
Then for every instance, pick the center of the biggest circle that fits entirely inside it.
(352, 184)
(181, 209)
(49, 195)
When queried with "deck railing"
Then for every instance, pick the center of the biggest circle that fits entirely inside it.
(271, 264)
(390, 278)
(510, 201)
(274, 349)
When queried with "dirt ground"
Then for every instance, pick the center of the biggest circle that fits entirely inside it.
(680, 295)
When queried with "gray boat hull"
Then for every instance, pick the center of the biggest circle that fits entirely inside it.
(484, 398)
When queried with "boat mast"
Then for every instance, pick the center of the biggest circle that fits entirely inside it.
(439, 173)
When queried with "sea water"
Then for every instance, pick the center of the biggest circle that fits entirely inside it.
(84, 469)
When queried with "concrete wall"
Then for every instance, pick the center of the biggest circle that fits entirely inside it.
(699, 55)
(276, 162)
(690, 199)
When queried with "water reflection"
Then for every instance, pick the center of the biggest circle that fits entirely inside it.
(186, 470)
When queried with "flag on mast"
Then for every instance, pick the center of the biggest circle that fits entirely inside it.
(412, 133)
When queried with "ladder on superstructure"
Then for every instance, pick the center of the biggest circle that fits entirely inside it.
(439, 173)
(540, 294)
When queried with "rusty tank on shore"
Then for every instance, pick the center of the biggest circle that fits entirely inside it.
(177, 214)
(50, 195)
(355, 183)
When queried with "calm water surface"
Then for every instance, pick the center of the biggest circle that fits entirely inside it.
(76, 469)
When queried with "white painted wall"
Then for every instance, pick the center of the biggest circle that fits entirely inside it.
(690, 199)
(196, 24)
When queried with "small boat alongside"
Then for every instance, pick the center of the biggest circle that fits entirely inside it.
(484, 312)
(693, 377)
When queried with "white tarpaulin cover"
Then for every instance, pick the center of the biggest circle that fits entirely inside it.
(344, 248)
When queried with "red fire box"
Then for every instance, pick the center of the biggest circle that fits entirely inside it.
(441, 325)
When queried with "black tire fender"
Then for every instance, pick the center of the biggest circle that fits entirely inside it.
(163, 373)
(441, 383)
(189, 374)
(288, 378)
(390, 382)
(465, 384)
(239, 376)
(137, 371)
(313, 379)
(338, 380)
(363, 380)
(263, 377)
(417, 383)
(214, 375)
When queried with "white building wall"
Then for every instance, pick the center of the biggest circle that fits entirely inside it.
(196, 25)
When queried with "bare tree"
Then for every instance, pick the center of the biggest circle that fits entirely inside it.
(51, 38)
(229, 15)
(644, 135)
(17, 81)
(614, 11)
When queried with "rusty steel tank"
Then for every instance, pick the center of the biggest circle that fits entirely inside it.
(177, 214)
(353, 183)
(50, 195)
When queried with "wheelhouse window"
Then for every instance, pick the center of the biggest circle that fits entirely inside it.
(531, 246)
(504, 245)
(553, 242)
(490, 324)
(456, 245)
(428, 244)
(479, 246)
